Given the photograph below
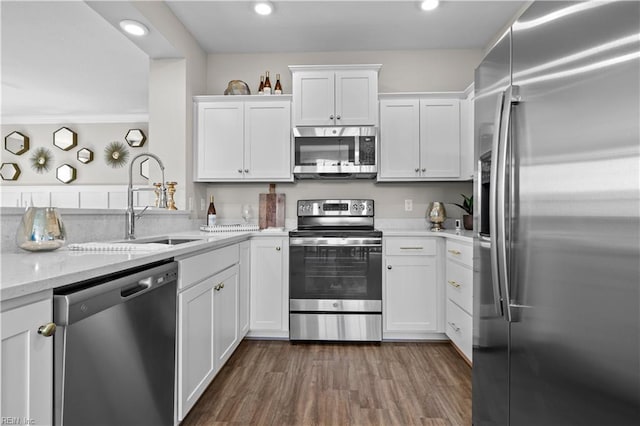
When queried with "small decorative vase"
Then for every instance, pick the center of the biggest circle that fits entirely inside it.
(467, 221)
(41, 229)
(437, 214)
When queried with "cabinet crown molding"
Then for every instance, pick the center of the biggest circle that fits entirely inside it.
(241, 98)
(343, 67)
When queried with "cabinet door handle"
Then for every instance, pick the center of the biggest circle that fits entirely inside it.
(454, 326)
(47, 330)
(417, 169)
(331, 117)
(389, 267)
(455, 252)
(411, 248)
(454, 284)
(239, 170)
(424, 170)
(337, 117)
(246, 170)
(221, 285)
(277, 248)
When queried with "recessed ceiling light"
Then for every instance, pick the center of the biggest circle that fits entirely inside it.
(429, 4)
(134, 27)
(263, 8)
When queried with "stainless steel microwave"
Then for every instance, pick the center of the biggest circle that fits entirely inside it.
(335, 152)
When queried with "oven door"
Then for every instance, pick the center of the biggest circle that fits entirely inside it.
(342, 274)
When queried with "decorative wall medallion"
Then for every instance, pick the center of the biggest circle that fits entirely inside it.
(66, 173)
(116, 154)
(85, 156)
(65, 138)
(16, 143)
(41, 160)
(135, 138)
(9, 171)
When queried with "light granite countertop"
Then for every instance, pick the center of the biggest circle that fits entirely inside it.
(30, 272)
(445, 233)
(25, 273)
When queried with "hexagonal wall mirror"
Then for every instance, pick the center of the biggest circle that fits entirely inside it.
(85, 156)
(135, 138)
(66, 173)
(16, 143)
(9, 171)
(65, 139)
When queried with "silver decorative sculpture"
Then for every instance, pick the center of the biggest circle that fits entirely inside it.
(437, 214)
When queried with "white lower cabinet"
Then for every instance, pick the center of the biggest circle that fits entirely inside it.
(226, 328)
(27, 364)
(196, 359)
(208, 321)
(413, 294)
(459, 293)
(459, 328)
(245, 285)
(270, 287)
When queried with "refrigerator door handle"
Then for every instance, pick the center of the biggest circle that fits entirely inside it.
(503, 216)
(493, 209)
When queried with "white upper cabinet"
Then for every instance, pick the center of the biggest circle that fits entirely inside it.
(242, 138)
(440, 138)
(399, 139)
(338, 95)
(467, 145)
(419, 139)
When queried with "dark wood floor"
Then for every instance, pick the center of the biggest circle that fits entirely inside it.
(279, 383)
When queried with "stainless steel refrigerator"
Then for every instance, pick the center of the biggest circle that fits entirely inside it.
(557, 278)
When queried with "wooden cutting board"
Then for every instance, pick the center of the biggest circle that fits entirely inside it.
(271, 209)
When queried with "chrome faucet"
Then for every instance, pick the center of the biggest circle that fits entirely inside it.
(131, 216)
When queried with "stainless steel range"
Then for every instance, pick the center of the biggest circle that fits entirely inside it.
(335, 273)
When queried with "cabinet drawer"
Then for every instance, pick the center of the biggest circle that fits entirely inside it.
(460, 285)
(459, 328)
(460, 252)
(410, 246)
(201, 266)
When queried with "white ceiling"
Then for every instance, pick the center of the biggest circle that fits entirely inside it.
(332, 25)
(63, 59)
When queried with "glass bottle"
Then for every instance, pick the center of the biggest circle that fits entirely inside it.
(261, 87)
(278, 89)
(211, 213)
(267, 84)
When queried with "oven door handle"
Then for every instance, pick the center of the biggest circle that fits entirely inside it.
(335, 241)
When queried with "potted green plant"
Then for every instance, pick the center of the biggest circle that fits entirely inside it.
(467, 206)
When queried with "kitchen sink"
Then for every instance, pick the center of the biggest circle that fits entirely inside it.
(165, 240)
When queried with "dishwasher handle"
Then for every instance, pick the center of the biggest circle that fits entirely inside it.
(110, 290)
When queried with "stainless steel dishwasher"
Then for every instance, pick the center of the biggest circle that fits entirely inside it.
(115, 350)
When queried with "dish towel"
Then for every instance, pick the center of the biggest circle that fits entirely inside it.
(117, 247)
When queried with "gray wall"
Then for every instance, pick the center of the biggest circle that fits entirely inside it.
(402, 70)
(389, 197)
